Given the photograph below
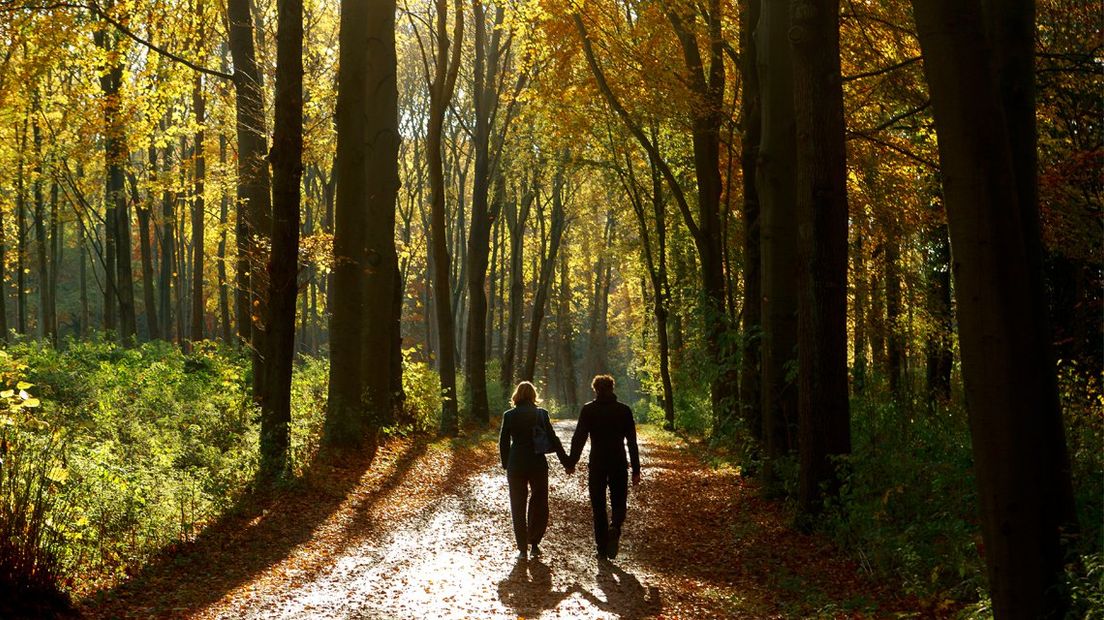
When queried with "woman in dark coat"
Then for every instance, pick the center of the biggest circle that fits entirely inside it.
(527, 469)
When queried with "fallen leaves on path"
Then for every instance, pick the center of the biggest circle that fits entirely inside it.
(422, 530)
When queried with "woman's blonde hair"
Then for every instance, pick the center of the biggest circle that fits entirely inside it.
(524, 392)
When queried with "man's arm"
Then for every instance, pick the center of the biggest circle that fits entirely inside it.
(630, 436)
(579, 438)
(504, 440)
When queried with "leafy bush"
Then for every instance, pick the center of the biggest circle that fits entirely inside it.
(907, 504)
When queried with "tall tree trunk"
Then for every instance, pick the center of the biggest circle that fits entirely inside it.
(254, 203)
(778, 212)
(516, 215)
(223, 280)
(20, 241)
(861, 294)
(548, 263)
(283, 266)
(148, 294)
(484, 98)
(567, 337)
(939, 355)
(824, 417)
(168, 246)
(895, 349)
(39, 222)
(982, 91)
(441, 90)
(366, 169)
(751, 399)
(199, 102)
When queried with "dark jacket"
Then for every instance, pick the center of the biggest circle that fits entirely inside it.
(515, 441)
(610, 426)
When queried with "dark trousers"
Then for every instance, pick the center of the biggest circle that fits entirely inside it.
(529, 525)
(617, 481)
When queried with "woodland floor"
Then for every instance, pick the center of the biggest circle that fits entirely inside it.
(422, 530)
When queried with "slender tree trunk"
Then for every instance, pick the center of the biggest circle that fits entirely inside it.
(515, 218)
(776, 185)
(824, 417)
(283, 266)
(548, 263)
(39, 222)
(567, 337)
(939, 355)
(861, 294)
(895, 351)
(148, 294)
(199, 102)
(982, 91)
(254, 203)
(223, 280)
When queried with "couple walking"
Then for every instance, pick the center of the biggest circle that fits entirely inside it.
(527, 435)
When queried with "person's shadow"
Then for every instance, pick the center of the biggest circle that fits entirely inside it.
(527, 590)
(624, 595)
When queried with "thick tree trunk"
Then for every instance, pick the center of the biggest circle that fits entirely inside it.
(366, 169)
(778, 214)
(283, 266)
(986, 132)
(751, 399)
(824, 417)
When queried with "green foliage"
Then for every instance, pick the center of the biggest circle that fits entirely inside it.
(907, 505)
(421, 412)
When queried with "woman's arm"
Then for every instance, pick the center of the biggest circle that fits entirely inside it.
(504, 440)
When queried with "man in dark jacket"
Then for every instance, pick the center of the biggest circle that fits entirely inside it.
(609, 425)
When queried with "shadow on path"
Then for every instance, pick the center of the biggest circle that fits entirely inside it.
(527, 590)
(257, 533)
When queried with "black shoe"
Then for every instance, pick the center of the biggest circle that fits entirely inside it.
(535, 551)
(522, 555)
(602, 557)
(614, 542)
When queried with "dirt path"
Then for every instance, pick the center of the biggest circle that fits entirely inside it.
(432, 539)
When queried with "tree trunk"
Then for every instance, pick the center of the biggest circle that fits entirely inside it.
(777, 197)
(895, 350)
(168, 246)
(199, 101)
(982, 91)
(366, 169)
(751, 397)
(283, 266)
(548, 263)
(939, 355)
(567, 338)
(824, 417)
(153, 326)
(223, 280)
(39, 222)
(515, 218)
(484, 100)
(254, 186)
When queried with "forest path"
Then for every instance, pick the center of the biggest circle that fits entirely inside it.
(425, 533)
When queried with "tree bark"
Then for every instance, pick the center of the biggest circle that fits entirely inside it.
(751, 402)
(940, 357)
(149, 296)
(547, 265)
(283, 266)
(778, 213)
(254, 203)
(824, 417)
(982, 91)
(199, 102)
(366, 169)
